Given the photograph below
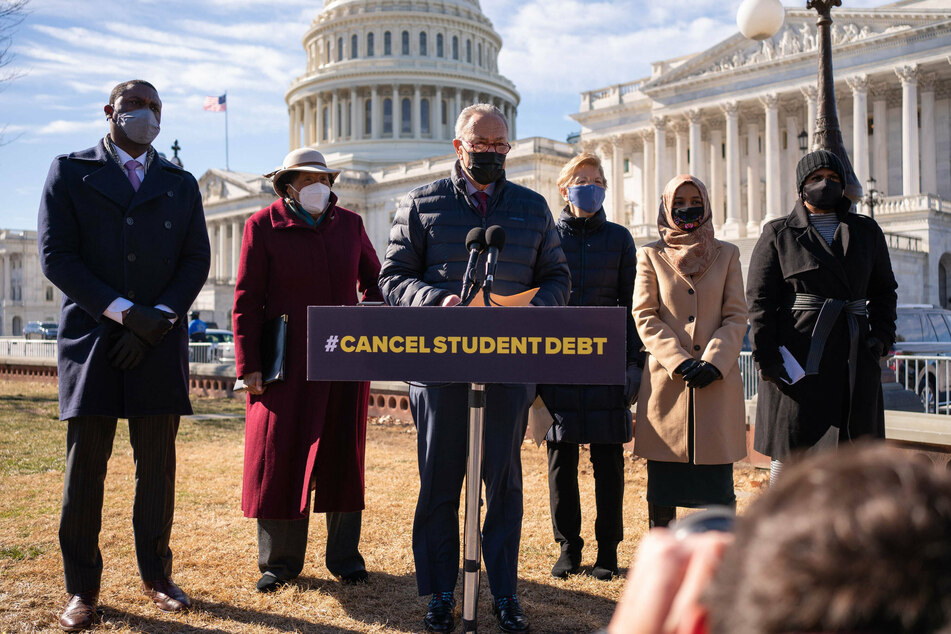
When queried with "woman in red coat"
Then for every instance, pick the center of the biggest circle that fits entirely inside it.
(300, 435)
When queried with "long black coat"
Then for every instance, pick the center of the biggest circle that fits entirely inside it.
(791, 257)
(100, 240)
(602, 260)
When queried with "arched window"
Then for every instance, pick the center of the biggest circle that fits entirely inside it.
(353, 46)
(424, 116)
(339, 49)
(422, 44)
(468, 51)
(445, 112)
(455, 47)
(480, 54)
(325, 117)
(387, 43)
(439, 51)
(405, 43)
(368, 117)
(370, 51)
(387, 116)
(17, 326)
(406, 116)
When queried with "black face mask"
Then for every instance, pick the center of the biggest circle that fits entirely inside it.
(823, 194)
(486, 167)
(687, 218)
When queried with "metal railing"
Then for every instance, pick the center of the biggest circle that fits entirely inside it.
(902, 242)
(749, 374)
(210, 352)
(19, 348)
(928, 376)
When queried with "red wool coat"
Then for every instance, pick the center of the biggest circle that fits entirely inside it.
(301, 434)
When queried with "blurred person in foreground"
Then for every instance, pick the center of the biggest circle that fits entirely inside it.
(601, 257)
(122, 233)
(302, 437)
(820, 288)
(424, 266)
(851, 542)
(690, 313)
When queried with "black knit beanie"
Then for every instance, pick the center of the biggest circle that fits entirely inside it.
(815, 160)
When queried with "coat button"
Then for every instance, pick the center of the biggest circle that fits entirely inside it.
(168, 224)
(130, 257)
(691, 317)
(696, 347)
(170, 194)
(690, 291)
(129, 221)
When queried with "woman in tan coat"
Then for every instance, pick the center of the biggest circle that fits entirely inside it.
(690, 312)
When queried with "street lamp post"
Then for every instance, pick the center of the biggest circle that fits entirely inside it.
(756, 19)
(872, 196)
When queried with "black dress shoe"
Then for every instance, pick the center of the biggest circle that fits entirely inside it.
(508, 612)
(80, 612)
(439, 616)
(354, 578)
(166, 596)
(270, 583)
(569, 562)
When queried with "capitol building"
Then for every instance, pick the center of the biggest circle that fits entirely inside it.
(385, 80)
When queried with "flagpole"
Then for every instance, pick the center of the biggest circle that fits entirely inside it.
(227, 166)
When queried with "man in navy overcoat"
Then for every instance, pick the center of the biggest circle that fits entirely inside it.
(122, 234)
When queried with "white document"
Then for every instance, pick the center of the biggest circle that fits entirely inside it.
(539, 421)
(793, 369)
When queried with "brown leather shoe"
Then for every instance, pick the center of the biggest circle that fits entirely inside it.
(166, 596)
(80, 612)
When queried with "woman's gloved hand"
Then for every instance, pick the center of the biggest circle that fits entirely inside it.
(685, 367)
(702, 374)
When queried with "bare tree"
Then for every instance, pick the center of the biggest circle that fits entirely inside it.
(12, 13)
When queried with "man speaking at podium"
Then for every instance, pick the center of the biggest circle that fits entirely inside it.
(425, 264)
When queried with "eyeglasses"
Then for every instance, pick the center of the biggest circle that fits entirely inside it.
(478, 148)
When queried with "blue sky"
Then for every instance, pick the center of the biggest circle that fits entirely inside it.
(71, 53)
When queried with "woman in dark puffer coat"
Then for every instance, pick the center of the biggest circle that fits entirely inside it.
(602, 261)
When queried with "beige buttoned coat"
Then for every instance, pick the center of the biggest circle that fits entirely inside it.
(680, 318)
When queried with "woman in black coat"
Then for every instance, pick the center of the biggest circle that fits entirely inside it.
(821, 287)
(602, 261)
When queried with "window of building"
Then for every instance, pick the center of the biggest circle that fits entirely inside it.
(439, 51)
(480, 53)
(406, 116)
(339, 126)
(871, 126)
(49, 293)
(424, 116)
(328, 52)
(627, 164)
(445, 112)
(353, 46)
(370, 51)
(455, 47)
(339, 49)
(325, 115)
(387, 43)
(405, 38)
(468, 51)
(387, 116)
(368, 117)
(422, 44)
(348, 113)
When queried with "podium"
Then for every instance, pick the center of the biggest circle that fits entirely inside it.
(474, 345)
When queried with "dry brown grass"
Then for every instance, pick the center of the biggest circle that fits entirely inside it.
(215, 547)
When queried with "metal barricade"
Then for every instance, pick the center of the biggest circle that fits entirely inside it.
(928, 376)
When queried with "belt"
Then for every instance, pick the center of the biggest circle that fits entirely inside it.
(829, 311)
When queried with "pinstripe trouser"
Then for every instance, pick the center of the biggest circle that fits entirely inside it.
(89, 442)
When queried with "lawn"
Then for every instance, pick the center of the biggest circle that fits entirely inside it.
(215, 546)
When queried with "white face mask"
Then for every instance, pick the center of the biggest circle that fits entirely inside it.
(313, 198)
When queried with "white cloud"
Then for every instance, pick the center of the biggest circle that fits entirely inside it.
(62, 126)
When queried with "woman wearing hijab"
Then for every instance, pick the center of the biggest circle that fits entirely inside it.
(302, 436)
(601, 257)
(690, 313)
(821, 289)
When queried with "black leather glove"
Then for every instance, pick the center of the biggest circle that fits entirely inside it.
(876, 346)
(685, 367)
(127, 351)
(774, 373)
(632, 383)
(701, 375)
(150, 324)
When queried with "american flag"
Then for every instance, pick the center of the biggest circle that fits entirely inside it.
(216, 104)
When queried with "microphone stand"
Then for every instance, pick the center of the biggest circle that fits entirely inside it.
(472, 536)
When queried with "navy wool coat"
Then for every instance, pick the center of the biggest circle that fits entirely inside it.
(602, 260)
(100, 240)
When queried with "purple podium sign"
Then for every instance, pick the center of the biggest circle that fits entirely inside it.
(535, 344)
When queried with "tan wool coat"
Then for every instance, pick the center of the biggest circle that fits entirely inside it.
(680, 318)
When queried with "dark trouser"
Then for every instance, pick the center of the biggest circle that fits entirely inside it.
(442, 415)
(282, 545)
(88, 448)
(608, 463)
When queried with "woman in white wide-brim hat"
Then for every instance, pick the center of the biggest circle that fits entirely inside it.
(303, 439)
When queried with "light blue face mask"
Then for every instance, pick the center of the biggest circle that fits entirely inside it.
(588, 198)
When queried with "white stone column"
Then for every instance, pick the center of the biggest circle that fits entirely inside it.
(792, 156)
(616, 186)
(909, 129)
(416, 110)
(754, 211)
(437, 129)
(929, 160)
(395, 111)
(513, 117)
(732, 226)
(5, 292)
(375, 118)
(773, 201)
(308, 122)
(334, 107)
(810, 92)
(456, 109)
(859, 86)
(660, 155)
(354, 115)
(649, 199)
(222, 251)
(880, 138)
(236, 228)
(694, 143)
(213, 250)
(292, 137)
(681, 163)
(715, 186)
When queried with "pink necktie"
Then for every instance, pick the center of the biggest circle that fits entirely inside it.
(481, 199)
(130, 167)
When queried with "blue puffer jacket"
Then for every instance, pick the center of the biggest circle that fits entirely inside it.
(426, 256)
(602, 262)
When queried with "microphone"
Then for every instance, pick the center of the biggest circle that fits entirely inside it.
(475, 243)
(495, 237)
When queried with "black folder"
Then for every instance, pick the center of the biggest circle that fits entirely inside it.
(273, 347)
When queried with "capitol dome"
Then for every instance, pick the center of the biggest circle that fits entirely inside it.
(385, 79)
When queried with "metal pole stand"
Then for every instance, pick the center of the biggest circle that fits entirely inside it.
(472, 536)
